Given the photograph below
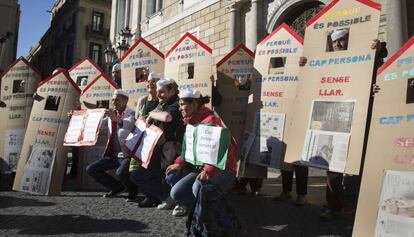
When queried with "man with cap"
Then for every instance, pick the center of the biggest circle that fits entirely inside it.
(168, 118)
(339, 39)
(116, 74)
(120, 121)
(148, 102)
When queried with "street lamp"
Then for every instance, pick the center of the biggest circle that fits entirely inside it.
(110, 54)
(124, 43)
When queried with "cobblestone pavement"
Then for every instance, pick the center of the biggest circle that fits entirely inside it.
(88, 214)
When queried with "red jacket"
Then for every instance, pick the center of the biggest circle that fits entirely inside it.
(205, 115)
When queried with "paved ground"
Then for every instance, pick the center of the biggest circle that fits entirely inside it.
(88, 214)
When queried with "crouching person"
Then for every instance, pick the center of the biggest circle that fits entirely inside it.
(120, 122)
(186, 179)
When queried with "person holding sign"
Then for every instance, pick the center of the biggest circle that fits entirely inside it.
(165, 116)
(185, 178)
(338, 41)
(120, 122)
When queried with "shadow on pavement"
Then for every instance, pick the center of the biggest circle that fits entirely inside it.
(7, 201)
(68, 224)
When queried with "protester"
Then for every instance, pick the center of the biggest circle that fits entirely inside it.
(301, 174)
(116, 74)
(335, 188)
(167, 117)
(184, 178)
(120, 122)
(148, 102)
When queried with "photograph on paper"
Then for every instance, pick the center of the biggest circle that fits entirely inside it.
(13, 143)
(396, 205)
(38, 170)
(332, 116)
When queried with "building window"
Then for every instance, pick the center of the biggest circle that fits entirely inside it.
(97, 21)
(153, 6)
(95, 52)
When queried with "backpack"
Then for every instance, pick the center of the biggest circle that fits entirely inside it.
(211, 215)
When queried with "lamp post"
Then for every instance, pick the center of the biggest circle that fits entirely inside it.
(110, 54)
(124, 43)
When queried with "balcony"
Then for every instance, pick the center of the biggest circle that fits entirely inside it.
(90, 33)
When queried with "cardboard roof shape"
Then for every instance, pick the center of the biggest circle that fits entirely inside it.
(47, 126)
(391, 137)
(100, 90)
(316, 96)
(146, 43)
(24, 60)
(101, 76)
(285, 27)
(85, 68)
(189, 62)
(239, 47)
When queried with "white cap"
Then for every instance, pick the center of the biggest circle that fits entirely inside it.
(164, 82)
(153, 75)
(190, 94)
(120, 92)
(116, 67)
(242, 79)
(337, 34)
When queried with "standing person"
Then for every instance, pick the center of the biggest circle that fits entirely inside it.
(168, 118)
(301, 173)
(116, 74)
(120, 122)
(334, 188)
(185, 178)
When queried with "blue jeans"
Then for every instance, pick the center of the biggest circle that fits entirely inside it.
(185, 186)
(97, 170)
(150, 180)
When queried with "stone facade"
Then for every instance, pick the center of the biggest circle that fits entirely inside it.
(72, 35)
(9, 29)
(222, 24)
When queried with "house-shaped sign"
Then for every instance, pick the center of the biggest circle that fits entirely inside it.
(18, 84)
(136, 64)
(84, 72)
(43, 157)
(98, 94)
(234, 78)
(330, 112)
(390, 147)
(189, 62)
(274, 92)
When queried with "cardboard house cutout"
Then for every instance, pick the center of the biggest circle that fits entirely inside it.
(274, 92)
(43, 158)
(189, 62)
(18, 83)
(84, 72)
(141, 59)
(390, 148)
(98, 93)
(328, 126)
(234, 78)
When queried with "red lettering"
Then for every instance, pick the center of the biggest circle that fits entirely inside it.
(273, 93)
(327, 92)
(339, 79)
(405, 142)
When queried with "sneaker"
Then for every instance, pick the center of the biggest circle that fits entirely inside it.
(148, 202)
(179, 211)
(301, 200)
(132, 198)
(330, 216)
(283, 196)
(167, 204)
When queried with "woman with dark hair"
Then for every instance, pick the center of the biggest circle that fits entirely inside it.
(167, 117)
(185, 178)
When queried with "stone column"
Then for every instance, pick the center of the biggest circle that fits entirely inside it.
(396, 24)
(233, 25)
(139, 14)
(127, 13)
(254, 30)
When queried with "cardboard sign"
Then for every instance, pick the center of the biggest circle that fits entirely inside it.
(98, 94)
(206, 144)
(84, 72)
(334, 87)
(234, 78)
(18, 84)
(84, 127)
(189, 62)
(274, 92)
(48, 124)
(141, 59)
(142, 141)
(391, 136)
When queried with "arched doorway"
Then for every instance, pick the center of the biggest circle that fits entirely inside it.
(295, 13)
